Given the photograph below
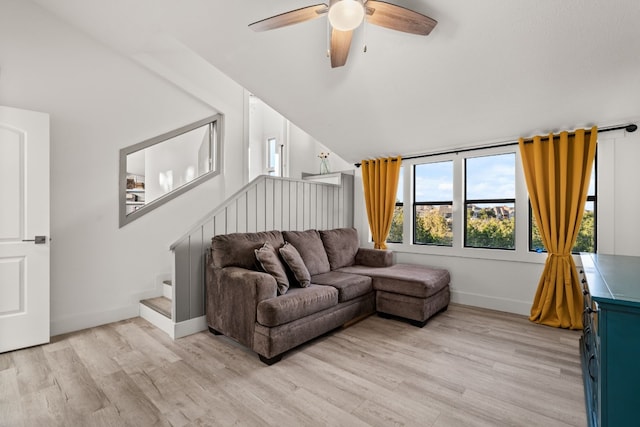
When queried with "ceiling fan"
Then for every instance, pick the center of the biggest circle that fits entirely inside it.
(345, 16)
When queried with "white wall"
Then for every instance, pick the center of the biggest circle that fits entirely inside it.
(264, 123)
(172, 164)
(303, 149)
(507, 281)
(618, 196)
(135, 163)
(303, 155)
(99, 102)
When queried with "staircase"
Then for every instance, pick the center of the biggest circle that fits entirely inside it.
(158, 310)
(161, 304)
(266, 203)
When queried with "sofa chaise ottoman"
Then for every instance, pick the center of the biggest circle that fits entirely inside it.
(413, 292)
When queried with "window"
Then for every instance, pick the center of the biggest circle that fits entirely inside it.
(433, 204)
(490, 201)
(464, 201)
(397, 222)
(273, 157)
(159, 169)
(586, 241)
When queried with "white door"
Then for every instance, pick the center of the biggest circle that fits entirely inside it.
(24, 214)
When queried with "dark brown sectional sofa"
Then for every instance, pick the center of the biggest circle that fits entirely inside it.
(270, 312)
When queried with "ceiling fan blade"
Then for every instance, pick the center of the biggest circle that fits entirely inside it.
(340, 44)
(398, 18)
(289, 18)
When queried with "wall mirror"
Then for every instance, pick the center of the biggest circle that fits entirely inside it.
(157, 170)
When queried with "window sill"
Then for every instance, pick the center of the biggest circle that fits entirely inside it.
(474, 253)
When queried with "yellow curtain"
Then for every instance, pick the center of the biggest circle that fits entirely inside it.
(557, 169)
(380, 182)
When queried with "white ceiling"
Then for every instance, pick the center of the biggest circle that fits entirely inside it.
(490, 71)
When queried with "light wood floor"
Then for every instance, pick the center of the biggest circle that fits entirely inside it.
(466, 367)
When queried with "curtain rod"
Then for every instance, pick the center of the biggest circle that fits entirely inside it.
(629, 128)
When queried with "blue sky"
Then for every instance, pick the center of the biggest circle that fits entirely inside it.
(434, 182)
(489, 177)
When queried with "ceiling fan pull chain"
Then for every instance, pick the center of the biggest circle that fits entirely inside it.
(328, 39)
(364, 31)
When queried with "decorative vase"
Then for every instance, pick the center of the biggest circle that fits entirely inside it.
(324, 166)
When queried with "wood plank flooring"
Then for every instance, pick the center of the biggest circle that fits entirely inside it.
(466, 367)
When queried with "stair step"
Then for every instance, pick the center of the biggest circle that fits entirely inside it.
(167, 289)
(160, 304)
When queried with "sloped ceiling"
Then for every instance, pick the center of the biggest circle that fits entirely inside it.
(490, 71)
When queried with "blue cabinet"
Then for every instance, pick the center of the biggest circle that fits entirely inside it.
(610, 345)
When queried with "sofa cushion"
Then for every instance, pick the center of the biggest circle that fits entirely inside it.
(407, 279)
(349, 286)
(296, 304)
(295, 263)
(270, 262)
(311, 249)
(374, 257)
(238, 249)
(341, 245)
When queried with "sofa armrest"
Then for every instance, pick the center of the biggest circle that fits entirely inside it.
(374, 257)
(233, 294)
(253, 285)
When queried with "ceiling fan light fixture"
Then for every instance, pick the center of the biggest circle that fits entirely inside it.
(346, 15)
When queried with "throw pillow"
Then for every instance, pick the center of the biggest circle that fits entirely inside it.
(269, 260)
(294, 261)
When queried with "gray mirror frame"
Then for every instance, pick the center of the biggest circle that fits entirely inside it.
(125, 219)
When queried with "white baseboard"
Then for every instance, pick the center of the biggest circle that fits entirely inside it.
(174, 330)
(492, 303)
(89, 320)
(191, 326)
